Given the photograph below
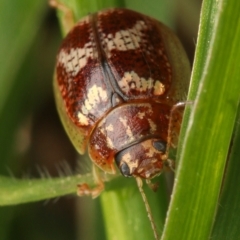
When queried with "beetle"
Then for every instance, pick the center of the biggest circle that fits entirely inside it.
(118, 76)
(119, 80)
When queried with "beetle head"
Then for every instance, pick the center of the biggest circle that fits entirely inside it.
(143, 159)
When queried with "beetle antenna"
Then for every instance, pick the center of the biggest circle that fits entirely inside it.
(147, 206)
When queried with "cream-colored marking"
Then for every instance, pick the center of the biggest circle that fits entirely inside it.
(140, 170)
(84, 110)
(77, 58)
(109, 128)
(153, 126)
(83, 119)
(159, 88)
(131, 164)
(141, 115)
(147, 174)
(126, 157)
(117, 100)
(108, 139)
(95, 96)
(149, 108)
(132, 85)
(125, 80)
(154, 160)
(103, 130)
(147, 145)
(128, 129)
(110, 143)
(96, 146)
(123, 40)
(110, 36)
(87, 105)
(131, 80)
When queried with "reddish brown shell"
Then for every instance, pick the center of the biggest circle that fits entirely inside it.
(112, 61)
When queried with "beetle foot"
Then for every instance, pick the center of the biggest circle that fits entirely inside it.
(153, 186)
(85, 190)
(68, 19)
(170, 164)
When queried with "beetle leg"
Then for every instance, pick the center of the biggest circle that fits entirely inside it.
(170, 164)
(85, 190)
(153, 186)
(68, 20)
(174, 126)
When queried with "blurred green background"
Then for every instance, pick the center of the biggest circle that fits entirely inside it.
(31, 136)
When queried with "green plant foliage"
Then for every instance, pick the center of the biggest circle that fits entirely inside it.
(215, 94)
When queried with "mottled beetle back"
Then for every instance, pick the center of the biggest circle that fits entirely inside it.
(118, 75)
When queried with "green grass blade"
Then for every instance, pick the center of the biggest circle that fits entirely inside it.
(227, 220)
(161, 10)
(19, 23)
(124, 211)
(205, 147)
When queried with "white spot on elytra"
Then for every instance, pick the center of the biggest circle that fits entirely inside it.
(124, 40)
(159, 88)
(76, 59)
(83, 119)
(109, 128)
(131, 80)
(95, 96)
